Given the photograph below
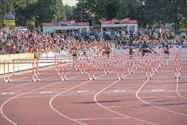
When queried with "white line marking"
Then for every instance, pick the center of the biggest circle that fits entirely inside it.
(60, 113)
(7, 93)
(157, 90)
(113, 106)
(10, 99)
(177, 90)
(158, 107)
(90, 119)
(153, 97)
(11, 93)
(13, 87)
(119, 91)
(81, 91)
(4, 93)
(46, 92)
(115, 112)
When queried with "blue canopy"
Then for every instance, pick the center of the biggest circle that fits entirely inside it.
(9, 16)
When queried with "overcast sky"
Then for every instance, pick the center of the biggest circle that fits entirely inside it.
(70, 2)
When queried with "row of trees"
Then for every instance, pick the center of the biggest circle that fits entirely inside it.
(35, 12)
(146, 11)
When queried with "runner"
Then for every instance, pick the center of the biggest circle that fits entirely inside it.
(131, 47)
(83, 58)
(74, 52)
(145, 48)
(105, 50)
(35, 71)
(165, 48)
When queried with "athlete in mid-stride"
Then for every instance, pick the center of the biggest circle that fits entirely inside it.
(145, 48)
(35, 71)
(165, 48)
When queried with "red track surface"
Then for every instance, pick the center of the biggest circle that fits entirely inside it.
(160, 101)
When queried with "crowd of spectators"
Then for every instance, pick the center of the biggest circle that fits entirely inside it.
(17, 41)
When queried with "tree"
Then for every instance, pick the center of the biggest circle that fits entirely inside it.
(68, 12)
(123, 10)
(14, 6)
(49, 11)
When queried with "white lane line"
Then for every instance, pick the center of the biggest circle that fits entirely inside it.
(46, 92)
(104, 107)
(59, 94)
(115, 112)
(7, 93)
(177, 90)
(82, 91)
(93, 119)
(119, 91)
(153, 97)
(158, 107)
(157, 90)
(14, 97)
(113, 106)
(13, 87)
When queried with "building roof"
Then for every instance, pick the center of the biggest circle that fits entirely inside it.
(9, 16)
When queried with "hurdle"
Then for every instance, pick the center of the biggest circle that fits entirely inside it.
(120, 69)
(177, 65)
(7, 73)
(63, 71)
(57, 64)
(35, 70)
(91, 70)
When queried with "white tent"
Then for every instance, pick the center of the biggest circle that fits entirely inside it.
(71, 25)
(125, 23)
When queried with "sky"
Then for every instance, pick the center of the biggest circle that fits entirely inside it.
(70, 2)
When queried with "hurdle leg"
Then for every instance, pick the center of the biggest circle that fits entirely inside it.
(108, 68)
(118, 74)
(93, 72)
(94, 78)
(90, 72)
(147, 75)
(4, 73)
(37, 66)
(33, 72)
(13, 68)
(167, 62)
(84, 68)
(37, 71)
(81, 68)
(65, 73)
(89, 76)
(55, 63)
(105, 68)
(9, 79)
(57, 67)
(37, 77)
(61, 73)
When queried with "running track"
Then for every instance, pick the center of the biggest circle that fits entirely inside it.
(133, 101)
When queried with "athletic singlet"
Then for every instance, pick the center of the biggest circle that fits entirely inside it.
(36, 56)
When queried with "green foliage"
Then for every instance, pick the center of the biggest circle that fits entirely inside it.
(68, 12)
(35, 11)
(31, 24)
(146, 11)
(49, 11)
